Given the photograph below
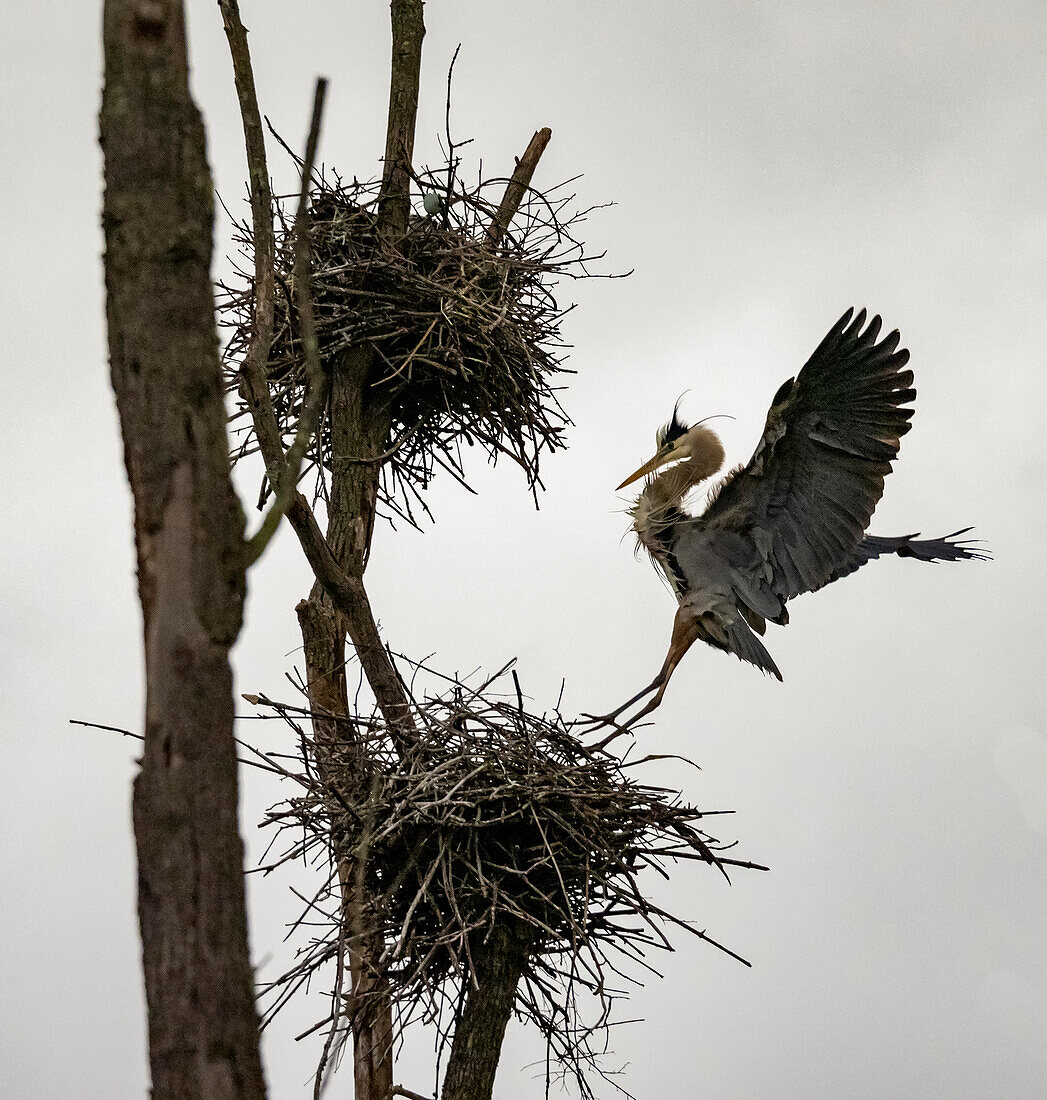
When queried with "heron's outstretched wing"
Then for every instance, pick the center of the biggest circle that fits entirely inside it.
(806, 497)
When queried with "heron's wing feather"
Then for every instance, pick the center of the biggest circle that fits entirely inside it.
(806, 496)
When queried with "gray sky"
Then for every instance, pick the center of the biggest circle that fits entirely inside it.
(772, 164)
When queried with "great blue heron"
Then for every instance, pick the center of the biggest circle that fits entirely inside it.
(794, 518)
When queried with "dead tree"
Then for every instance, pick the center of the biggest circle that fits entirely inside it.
(163, 346)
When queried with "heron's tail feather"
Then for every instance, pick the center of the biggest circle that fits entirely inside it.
(949, 548)
(744, 644)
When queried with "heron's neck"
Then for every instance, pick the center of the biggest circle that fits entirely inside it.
(670, 486)
(662, 496)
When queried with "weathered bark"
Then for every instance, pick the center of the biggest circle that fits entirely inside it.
(499, 964)
(359, 430)
(158, 217)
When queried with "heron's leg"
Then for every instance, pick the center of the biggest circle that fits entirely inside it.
(685, 633)
(657, 682)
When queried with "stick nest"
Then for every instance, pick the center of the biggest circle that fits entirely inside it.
(498, 816)
(466, 336)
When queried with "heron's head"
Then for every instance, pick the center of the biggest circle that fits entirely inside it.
(676, 442)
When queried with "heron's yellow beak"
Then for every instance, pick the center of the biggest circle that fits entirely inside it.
(660, 459)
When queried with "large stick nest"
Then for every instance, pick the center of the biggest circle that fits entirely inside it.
(466, 335)
(497, 816)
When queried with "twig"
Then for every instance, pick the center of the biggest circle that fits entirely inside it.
(336, 997)
(399, 1090)
(108, 729)
(303, 280)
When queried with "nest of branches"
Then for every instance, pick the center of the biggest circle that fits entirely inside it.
(465, 332)
(498, 817)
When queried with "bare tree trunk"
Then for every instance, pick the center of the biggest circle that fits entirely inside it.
(158, 216)
(499, 963)
(370, 1013)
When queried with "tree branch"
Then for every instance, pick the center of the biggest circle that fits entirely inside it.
(253, 385)
(517, 187)
(303, 280)
(285, 478)
(395, 202)
(353, 495)
(346, 591)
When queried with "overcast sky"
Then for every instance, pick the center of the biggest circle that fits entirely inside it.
(772, 164)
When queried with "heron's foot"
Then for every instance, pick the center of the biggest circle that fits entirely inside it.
(595, 721)
(590, 723)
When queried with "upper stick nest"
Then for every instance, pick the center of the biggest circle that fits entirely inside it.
(466, 336)
(496, 815)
